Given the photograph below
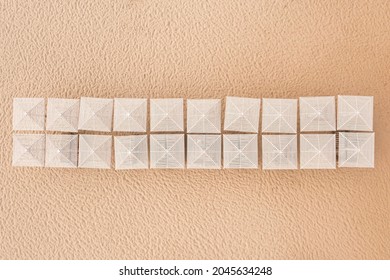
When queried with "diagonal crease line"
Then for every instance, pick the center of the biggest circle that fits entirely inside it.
(272, 144)
(26, 146)
(316, 111)
(168, 116)
(210, 159)
(233, 114)
(196, 122)
(289, 142)
(362, 146)
(84, 118)
(354, 150)
(174, 144)
(345, 122)
(232, 159)
(87, 150)
(140, 141)
(175, 159)
(231, 143)
(93, 150)
(213, 142)
(318, 149)
(69, 109)
(249, 142)
(123, 153)
(62, 151)
(277, 112)
(194, 150)
(310, 107)
(245, 156)
(155, 103)
(272, 160)
(207, 119)
(157, 141)
(344, 102)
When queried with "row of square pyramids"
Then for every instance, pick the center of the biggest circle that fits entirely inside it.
(354, 113)
(317, 151)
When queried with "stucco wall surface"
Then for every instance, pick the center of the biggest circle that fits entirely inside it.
(195, 49)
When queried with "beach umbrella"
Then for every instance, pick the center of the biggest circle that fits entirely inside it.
(318, 151)
(242, 114)
(317, 113)
(279, 115)
(356, 149)
(240, 151)
(29, 114)
(61, 150)
(130, 114)
(167, 151)
(279, 152)
(355, 113)
(204, 115)
(203, 151)
(95, 151)
(166, 114)
(96, 114)
(63, 114)
(131, 152)
(28, 150)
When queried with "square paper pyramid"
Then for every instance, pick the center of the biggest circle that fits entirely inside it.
(131, 152)
(356, 149)
(355, 113)
(63, 114)
(61, 151)
(317, 113)
(318, 151)
(280, 152)
(95, 114)
(167, 151)
(166, 114)
(29, 114)
(130, 114)
(204, 151)
(279, 115)
(242, 114)
(204, 115)
(240, 151)
(95, 151)
(28, 150)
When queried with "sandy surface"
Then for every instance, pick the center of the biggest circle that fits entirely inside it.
(195, 49)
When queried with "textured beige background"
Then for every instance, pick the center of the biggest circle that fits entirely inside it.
(195, 49)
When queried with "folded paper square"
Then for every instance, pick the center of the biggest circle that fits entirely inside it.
(355, 113)
(96, 114)
(279, 115)
(204, 151)
(61, 151)
(356, 149)
(317, 113)
(318, 151)
(167, 151)
(28, 150)
(130, 114)
(279, 152)
(240, 151)
(204, 115)
(63, 114)
(166, 114)
(95, 151)
(131, 152)
(242, 114)
(29, 114)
